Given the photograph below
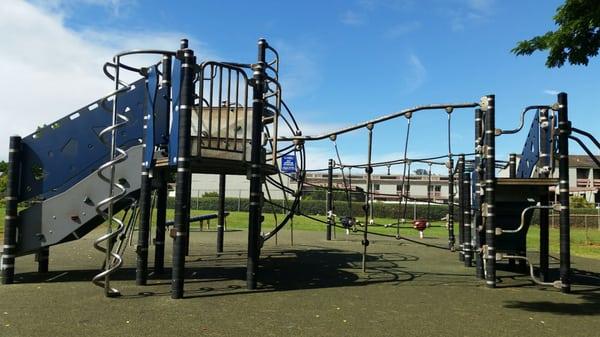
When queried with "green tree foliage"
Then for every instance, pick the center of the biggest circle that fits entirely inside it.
(3, 176)
(576, 39)
(579, 202)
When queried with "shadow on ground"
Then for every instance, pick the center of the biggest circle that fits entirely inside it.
(589, 297)
(280, 270)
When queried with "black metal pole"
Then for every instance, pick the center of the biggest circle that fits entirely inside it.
(141, 270)
(256, 174)
(478, 220)
(11, 220)
(42, 257)
(467, 219)
(161, 219)
(221, 214)
(544, 198)
(490, 187)
(161, 180)
(512, 165)
(368, 200)
(512, 173)
(184, 175)
(564, 129)
(329, 199)
(460, 168)
(451, 238)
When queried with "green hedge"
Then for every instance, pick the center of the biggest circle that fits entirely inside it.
(381, 210)
(318, 207)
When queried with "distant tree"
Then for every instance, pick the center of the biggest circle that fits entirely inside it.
(3, 176)
(579, 202)
(576, 39)
(421, 172)
(210, 194)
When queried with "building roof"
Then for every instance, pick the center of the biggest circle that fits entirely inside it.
(583, 161)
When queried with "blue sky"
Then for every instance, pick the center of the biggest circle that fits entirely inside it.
(342, 61)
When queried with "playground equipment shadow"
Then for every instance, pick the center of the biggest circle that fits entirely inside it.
(314, 288)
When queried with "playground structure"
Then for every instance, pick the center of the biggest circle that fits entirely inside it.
(185, 116)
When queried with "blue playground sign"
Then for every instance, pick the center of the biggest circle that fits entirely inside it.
(288, 163)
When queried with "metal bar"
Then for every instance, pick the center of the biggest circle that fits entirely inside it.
(141, 271)
(382, 119)
(256, 195)
(512, 165)
(478, 220)
(42, 257)
(228, 106)
(490, 193)
(11, 220)
(461, 207)
(563, 186)
(451, 238)
(220, 110)
(184, 176)
(369, 199)
(544, 172)
(221, 213)
(467, 219)
(329, 199)
(161, 218)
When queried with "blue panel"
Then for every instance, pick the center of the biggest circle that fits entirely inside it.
(174, 135)
(531, 150)
(288, 163)
(149, 135)
(59, 155)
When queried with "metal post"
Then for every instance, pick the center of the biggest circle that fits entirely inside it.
(467, 218)
(544, 212)
(461, 206)
(42, 257)
(184, 175)
(451, 238)
(141, 270)
(221, 214)
(256, 175)
(564, 129)
(161, 219)
(512, 165)
(512, 173)
(478, 220)
(329, 198)
(490, 187)
(11, 220)
(369, 200)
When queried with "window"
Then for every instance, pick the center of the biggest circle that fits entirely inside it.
(376, 187)
(582, 173)
(435, 188)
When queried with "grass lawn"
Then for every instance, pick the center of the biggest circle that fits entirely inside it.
(582, 243)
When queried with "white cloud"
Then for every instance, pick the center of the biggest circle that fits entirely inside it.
(299, 70)
(51, 70)
(65, 7)
(352, 18)
(551, 92)
(417, 73)
(466, 12)
(481, 6)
